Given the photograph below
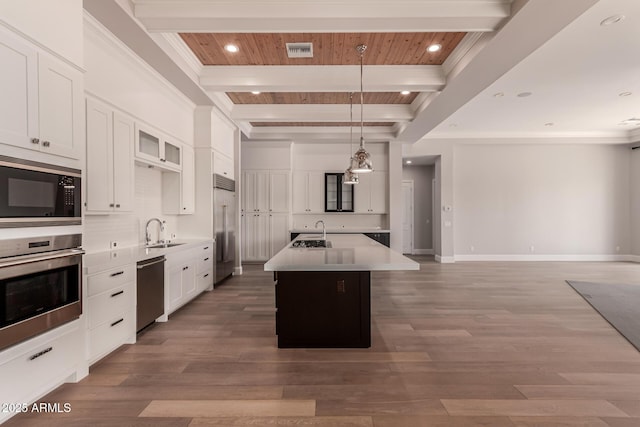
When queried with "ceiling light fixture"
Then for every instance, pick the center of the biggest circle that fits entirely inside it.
(523, 94)
(231, 48)
(405, 92)
(408, 162)
(255, 92)
(625, 93)
(434, 48)
(350, 177)
(361, 160)
(613, 19)
(498, 95)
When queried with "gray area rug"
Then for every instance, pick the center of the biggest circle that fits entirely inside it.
(618, 304)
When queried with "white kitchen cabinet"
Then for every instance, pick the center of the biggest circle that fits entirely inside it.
(110, 165)
(42, 102)
(279, 199)
(111, 310)
(371, 193)
(34, 367)
(154, 148)
(223, 165)
(278, 232)
(255, 184)
(308, 192)
(187, 273)
(255, 227)
(179, 188)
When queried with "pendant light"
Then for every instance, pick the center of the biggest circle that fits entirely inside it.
(361, 160)
(349, 176)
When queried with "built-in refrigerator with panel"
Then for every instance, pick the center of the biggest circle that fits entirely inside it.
(224, 217)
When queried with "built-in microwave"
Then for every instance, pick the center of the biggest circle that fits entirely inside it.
(37, 194)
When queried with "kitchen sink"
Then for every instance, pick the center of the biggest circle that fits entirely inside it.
(311, 244)
(163, 245)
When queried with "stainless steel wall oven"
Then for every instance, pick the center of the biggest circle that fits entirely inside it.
(38, 194)
(40, 285)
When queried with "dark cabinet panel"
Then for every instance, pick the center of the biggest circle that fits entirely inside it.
(338, 197)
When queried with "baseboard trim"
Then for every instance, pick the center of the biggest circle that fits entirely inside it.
(549, 257)
(445, 259)
(237, 271)
(634, 258)
(423, 252)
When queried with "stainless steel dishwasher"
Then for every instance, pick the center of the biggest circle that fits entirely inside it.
(150, 291)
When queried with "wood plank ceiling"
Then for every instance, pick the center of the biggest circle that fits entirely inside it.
(260, 49)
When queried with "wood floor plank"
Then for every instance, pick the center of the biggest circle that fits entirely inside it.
(555, 407)
(609, 392)
(230, 408)
(558, 422)
(356, 421)
(439, 421)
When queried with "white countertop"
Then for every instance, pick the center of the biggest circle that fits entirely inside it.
(99, 261)
(340, 230)
(349, 252)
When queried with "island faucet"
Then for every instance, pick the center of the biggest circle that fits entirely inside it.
(147, 235)
(324, 230)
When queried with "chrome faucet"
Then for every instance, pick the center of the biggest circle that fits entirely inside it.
(324, 230)
(147, 235)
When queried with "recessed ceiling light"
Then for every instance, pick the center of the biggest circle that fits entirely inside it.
(549, 124)
(524, 94)
(632, 121)
(231, 48)
(405, 92)
(434, 47)
(625, 93)
(255, 92)
(498, 95)
(408, 162)
(613, 19)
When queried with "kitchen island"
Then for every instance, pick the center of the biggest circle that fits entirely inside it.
(323, 294)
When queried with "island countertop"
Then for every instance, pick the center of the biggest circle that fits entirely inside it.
(348, 252)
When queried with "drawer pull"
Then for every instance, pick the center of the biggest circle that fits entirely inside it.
(206, 275)
(116, 274)
(41, 353)
(116, 322)
(185, 268)
(206, 259)
(206, 247)
(117, 293)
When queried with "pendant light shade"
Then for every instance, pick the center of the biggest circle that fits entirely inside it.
(361, 160)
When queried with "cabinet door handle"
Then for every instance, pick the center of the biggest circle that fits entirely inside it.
(162, 160)
(206, 259)
(117, 205)
(205, 248)
(40, 353)
(184, 209)
(185, 268)
(35, 141)
(117, 293)
(206, 275)
(45, 143)
(110, 205)
(117, 321)
(116, 274)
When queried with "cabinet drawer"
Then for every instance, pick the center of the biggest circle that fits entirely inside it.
(102, 306)
(110, 279)
(42, 365)
(110, 335)
(205, 262)
(204, 280)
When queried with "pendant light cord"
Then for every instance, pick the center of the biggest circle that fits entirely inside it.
(361, 94)
(351, 124)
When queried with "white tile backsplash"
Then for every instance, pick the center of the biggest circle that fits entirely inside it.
(340, 221)
(129, 229)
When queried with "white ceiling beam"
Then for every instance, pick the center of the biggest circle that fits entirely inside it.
(319, 78)
(334, 134)
(265, 16)
(320, 112)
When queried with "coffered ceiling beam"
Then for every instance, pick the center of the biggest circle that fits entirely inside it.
(264, 16)
(333, 134)
(318, 78)
(319, 113)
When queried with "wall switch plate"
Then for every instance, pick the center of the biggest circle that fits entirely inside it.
(113, 244)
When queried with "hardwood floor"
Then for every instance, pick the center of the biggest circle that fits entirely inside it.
(465, 344)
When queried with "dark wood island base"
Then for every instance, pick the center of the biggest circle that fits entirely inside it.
(323, 309)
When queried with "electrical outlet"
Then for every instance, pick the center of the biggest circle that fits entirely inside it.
(532, 248)
(617, 248)
(472, 248)
(113, 244)
(173, 235)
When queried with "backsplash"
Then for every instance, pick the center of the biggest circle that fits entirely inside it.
(128, 229)
(340, 221)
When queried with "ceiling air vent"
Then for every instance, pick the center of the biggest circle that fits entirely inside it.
(300, 50)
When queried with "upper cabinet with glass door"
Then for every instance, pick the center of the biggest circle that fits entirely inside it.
(154, 148)
(338, 197)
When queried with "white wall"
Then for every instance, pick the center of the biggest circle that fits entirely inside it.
(56, 25)
(258, 155)
(635, 202)
(421, 175)
(544, 200)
